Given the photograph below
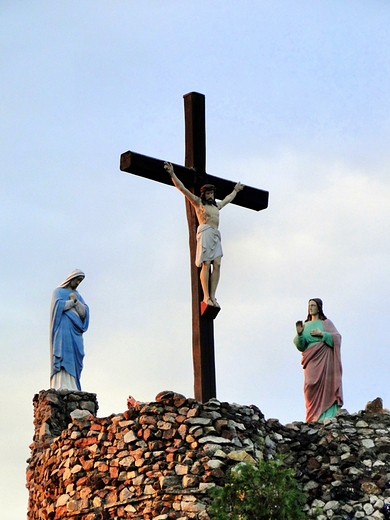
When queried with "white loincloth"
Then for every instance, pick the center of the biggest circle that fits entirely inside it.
(208, 244)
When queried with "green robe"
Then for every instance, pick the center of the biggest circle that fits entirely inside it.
(305, 340)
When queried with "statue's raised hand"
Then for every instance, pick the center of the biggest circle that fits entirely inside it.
(239, 186)
(299, 326)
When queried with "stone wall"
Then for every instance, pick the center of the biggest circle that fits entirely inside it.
(343, 464)
(158, 460)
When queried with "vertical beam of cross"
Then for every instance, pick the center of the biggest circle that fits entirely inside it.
(202, 328)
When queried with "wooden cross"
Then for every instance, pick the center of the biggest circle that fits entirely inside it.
(193, 175)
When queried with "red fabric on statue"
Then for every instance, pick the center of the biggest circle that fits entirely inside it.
(323, 371)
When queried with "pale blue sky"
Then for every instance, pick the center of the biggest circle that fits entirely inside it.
(297, 103)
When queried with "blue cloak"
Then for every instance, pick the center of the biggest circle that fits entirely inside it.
(66, 335)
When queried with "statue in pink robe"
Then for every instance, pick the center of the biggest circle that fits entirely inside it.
(319, 341)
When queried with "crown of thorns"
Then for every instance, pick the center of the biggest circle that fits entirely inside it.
(207, 187)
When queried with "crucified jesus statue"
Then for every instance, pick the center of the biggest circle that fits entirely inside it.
(208, 237)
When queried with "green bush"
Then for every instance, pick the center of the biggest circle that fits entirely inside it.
(267, 491)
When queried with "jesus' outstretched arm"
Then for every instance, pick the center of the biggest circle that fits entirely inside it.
(180, 186)
(238, 187)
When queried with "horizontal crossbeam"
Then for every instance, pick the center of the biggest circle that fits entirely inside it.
(153, 169)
